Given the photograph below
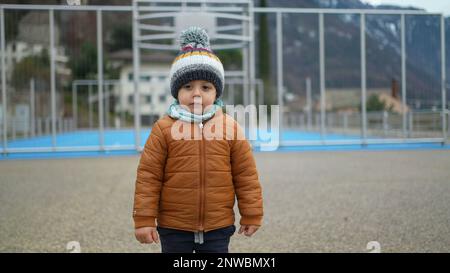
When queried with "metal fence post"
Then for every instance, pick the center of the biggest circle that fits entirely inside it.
(245, 68)
(345, 122)
(74, 104)
(280, 70)
(363, 77)
(308, 103)
(403, 50)
(410, 123)
(122, 107)
(136, 78)
(322, 75)
(32, 107)
(107, 94)
(39, 126)
(232, 93)
(52, 77)
(100, 78)
(5, 112)
(443, 80)
(90, 110)
(252, 54)
(260, 84)
(385, 122)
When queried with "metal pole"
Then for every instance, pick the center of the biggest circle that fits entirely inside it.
(74, 104)
(90, 106)
(252, 54)
(14, 119)
(136, 78)
(363, 78)
(410, 123)
(260, 91)
(39, 126)
(308, 103)
(232, 93)
(245, 86)
(59, 123)
(52, 76)
(2, 38)
(107, 94)
(343, 11)
(122, 107)
(280, 69)
(403, 30)
(100, 77)
(245, 66)
(322, 75)
(345, 122)
(443, 80)
(32, 107)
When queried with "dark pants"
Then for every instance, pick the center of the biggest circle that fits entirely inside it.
(180, 241)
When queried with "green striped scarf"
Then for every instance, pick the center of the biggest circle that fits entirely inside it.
(178, 112)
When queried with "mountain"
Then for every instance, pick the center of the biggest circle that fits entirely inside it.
(342, 49)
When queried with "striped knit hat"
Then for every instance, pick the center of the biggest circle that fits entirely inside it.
(196, 61)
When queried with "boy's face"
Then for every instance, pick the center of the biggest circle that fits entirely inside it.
(197, 96)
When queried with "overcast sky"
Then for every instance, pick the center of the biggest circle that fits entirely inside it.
(429, 5)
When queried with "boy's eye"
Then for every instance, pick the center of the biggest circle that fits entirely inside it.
(206, 87)
(187, 86)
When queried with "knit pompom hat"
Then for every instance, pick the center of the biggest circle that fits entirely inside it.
(196, 61)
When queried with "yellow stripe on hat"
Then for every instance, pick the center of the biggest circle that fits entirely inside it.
(194, 53)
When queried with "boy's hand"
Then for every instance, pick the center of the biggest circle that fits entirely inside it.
(147, 235)
(248, 229)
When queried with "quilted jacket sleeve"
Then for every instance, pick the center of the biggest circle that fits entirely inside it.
(245, 178)
(150, 173)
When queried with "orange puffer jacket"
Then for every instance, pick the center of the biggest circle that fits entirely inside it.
(192, 184)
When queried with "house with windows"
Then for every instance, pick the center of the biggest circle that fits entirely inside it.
(154, 87)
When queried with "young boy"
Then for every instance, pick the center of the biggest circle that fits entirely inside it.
(195, 162)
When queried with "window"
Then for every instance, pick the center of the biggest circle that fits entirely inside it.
(148, 99)
(144, 78)
(162, 98)
(130, 98)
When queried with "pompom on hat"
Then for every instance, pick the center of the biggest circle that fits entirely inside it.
(196, 61)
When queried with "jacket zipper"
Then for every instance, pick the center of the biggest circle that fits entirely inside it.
(202, 176)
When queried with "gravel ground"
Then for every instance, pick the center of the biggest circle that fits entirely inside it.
(314, 202)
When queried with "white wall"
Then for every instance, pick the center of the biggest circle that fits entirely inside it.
(154, 83)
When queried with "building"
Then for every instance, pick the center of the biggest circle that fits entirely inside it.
(346, 100)
(32, 39)
(154, 86)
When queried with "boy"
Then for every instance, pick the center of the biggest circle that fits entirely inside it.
(187, 179)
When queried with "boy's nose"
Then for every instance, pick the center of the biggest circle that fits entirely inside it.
(197, 92)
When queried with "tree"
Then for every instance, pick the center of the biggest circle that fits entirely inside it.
(36, 66)
(121, 37)
(84, 66)
(230, 58)
(375, 104)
